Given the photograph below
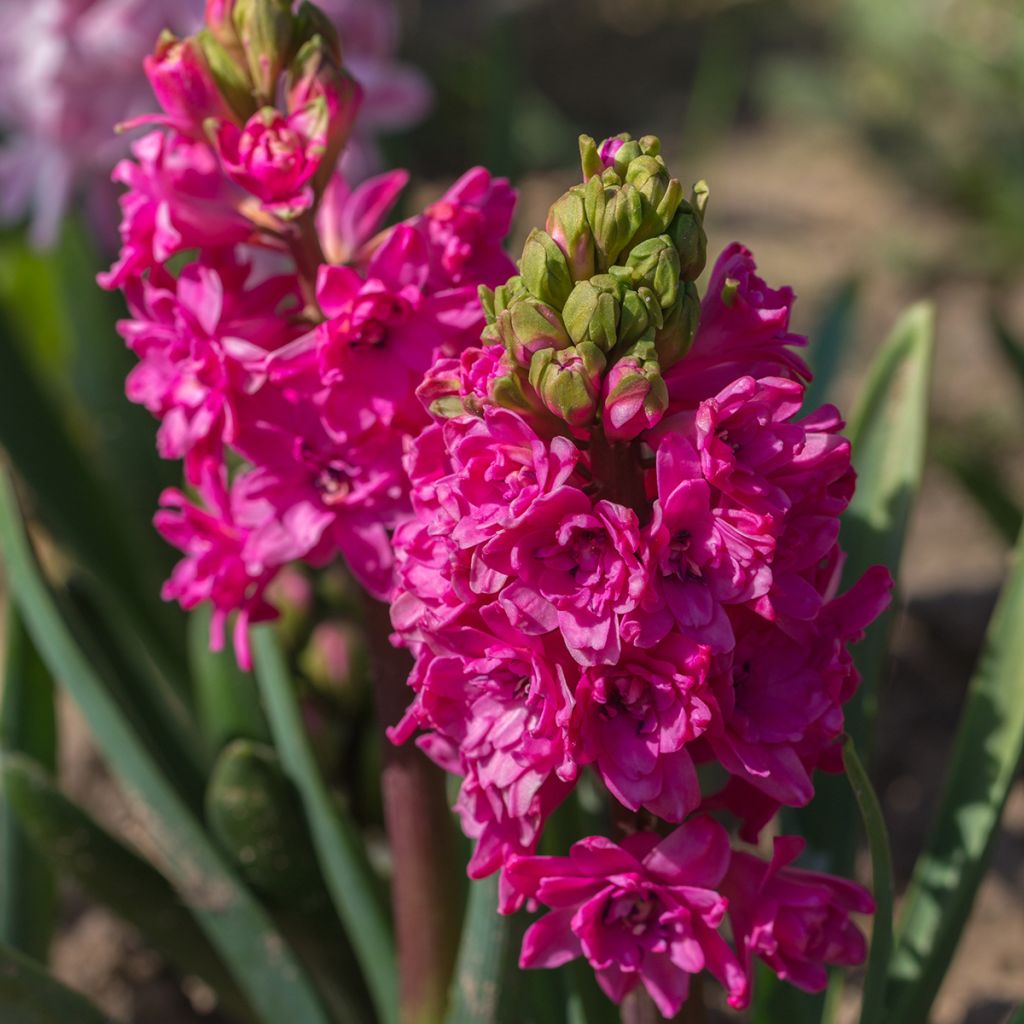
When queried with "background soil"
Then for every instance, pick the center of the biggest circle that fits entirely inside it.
(816, 209)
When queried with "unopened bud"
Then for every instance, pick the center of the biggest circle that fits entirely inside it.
(528, 326)
(544, 269)
(335, 661)
(230, 73)
(590, 158)
(311, 21)
(660, 193)
(687, 233)
(568, 226)
(266, 30)
(220, 23)
(569, 381)
(183, 84)
(511, 389)
(674, 339)
(592, 312)
(655, 263)
(640, 316)
(615, 213)
(634, 394)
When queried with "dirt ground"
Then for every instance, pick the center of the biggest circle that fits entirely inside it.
(814, 209)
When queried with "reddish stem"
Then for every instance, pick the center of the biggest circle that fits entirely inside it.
(425, 892)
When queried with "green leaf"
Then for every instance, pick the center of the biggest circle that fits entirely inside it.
(1011, 348)
(264, 966)
(339, 847)
(28, 726)
(873, 1005)
(227, 699)
(829, 342)
(487, 955)
(888, 432)
(65, 837)
(1018, 1016)
(28, 995)
(987, 751)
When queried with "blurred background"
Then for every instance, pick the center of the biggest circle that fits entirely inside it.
(870, 153)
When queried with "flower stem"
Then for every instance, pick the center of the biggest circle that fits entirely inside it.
(425, 893)
(639, 1008)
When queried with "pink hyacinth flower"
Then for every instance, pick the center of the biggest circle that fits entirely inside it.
(797, 922)
(272, 159)
(643, 912)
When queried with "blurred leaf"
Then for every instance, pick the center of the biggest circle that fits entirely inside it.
(264, 966)
(830, 340)
(256, 815)
(74, 504)
(1010, 346)
(487, 960)
(65, 837)
(982, 766)
(123, 434)
(888, 432)
(983, 480)
(27, 726)
(337, 841)
(28, 995)
(775, 1001)
(227, 699)
(873, 1000)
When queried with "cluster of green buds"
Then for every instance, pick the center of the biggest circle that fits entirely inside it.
(605, 299)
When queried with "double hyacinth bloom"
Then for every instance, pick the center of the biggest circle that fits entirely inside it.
(70, 69)
(281, 329)
(624, 556)
(606, 525)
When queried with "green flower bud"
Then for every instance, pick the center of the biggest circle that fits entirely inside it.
(590, 158)
(661, 194)
(230, 74)
(528, 326)
(592, 311)
(568, 226)
(512, 390)
(569, 381)
(544, 269)
(310, 21)
(687, 233)
(674, 339)
(635, 321)
(655, 263)
(486, 297)
(266, 29)
(615, 213)
(505, 294)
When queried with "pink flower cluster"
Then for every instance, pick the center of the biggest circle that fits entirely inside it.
(70, 69)
(281, 333)
(633, 568)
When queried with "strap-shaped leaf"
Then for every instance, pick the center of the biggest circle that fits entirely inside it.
(486, 958)
(881, 877)
(829, 342)
(987, 751)
(28, 995)
(888, 433)
(273, 981)
(339, 846)
(65, 837)
(27, 725)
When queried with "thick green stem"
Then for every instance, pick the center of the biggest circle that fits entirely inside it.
(425, 891)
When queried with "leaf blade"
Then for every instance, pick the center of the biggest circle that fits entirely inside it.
(28, 995)
(346, 871)
(264, 966)
(873, 1004)
(28, 726)
(986, 753)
